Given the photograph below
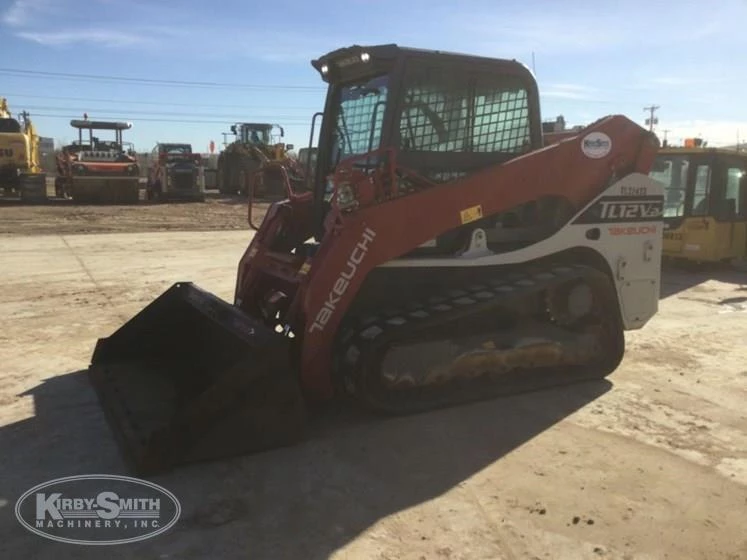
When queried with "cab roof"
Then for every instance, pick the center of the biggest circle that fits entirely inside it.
(670, 150)
(358, 61)
(392, 50)
(100, 125)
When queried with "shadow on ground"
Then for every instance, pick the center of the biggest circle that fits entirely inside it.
(676, 279)
(304, 501)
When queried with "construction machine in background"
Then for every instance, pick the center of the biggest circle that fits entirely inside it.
(705, 207)
(256, 147)
(98, 171)
(20, 168)
(307, 160)
(441, 254)
(555, 131)
(175, 173)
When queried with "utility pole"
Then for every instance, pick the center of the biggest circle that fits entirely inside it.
(665, 136)
(651, 121)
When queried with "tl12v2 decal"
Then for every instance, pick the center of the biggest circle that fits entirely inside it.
(623, 209)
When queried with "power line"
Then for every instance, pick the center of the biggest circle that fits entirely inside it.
(93, 110)
(152, 82)
(288, 122)
(547, 101)
(157, 103)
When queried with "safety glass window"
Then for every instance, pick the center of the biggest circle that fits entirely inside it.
(501, 116)
(672, 173)
(701, 191)
(735, 177)
(435, 111)
(360, 117)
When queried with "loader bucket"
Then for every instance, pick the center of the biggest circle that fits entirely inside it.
(192, 378)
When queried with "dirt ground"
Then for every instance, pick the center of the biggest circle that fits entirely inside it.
(59, 216)
(649, 464)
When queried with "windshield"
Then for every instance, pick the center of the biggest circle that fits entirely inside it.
(360, 114)
(255, 135)
(10, 126)
(177, 149)
(358, 121)
(671, 171)
(106, 146)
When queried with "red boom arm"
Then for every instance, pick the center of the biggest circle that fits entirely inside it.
(320, 289)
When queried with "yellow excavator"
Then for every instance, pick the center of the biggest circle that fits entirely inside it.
(20, 169)
(705, 208)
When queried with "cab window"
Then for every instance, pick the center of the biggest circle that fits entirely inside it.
(671, 171)
(699, 204)
(447, 110)
(734, 191)
(10, 126)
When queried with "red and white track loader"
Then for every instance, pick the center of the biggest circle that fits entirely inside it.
(440, 254)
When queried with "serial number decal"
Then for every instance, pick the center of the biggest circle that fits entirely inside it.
(611, 209)
(6, 152)
(672, 236)
(633, 191)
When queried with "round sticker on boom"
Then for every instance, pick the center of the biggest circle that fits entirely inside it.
(596, 145)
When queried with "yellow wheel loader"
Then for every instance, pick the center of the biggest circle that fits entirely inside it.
(255, 147)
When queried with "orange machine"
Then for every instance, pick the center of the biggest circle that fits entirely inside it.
(98, 171)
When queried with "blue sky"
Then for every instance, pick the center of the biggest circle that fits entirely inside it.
(592, 58)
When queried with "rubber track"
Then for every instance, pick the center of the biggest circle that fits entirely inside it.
(363, 341)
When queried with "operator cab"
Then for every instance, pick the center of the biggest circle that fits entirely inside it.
(258, 134)
(176, 149)
(701, 183)
(172, 152)
(705, 202)
(445, 114)
(10, 126)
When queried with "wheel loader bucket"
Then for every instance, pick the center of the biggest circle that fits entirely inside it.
(192, 378)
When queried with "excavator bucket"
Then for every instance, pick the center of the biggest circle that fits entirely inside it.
(192, 378)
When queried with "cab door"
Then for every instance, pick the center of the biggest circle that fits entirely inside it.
(730, 211)
(672, 171)
(698, 226)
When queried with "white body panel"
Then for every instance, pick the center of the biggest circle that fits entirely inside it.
(631, 247)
